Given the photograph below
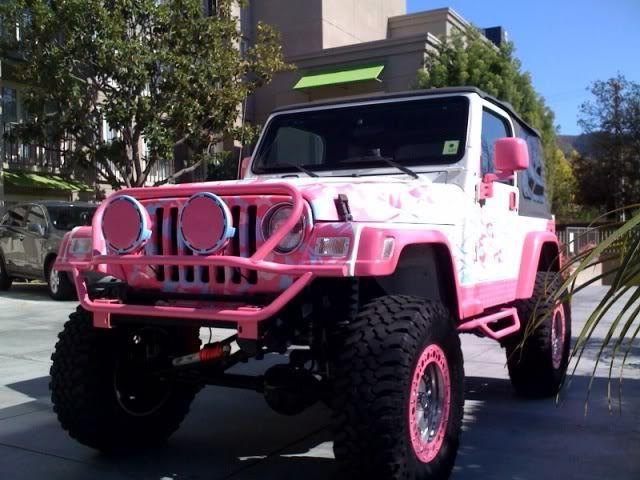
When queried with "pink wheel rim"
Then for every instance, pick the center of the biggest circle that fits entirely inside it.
(429, 403)
(558, 333)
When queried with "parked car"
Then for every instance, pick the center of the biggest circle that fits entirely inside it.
(365, 236)
(30, 237)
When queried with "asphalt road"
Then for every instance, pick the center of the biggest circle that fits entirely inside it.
(232, 434)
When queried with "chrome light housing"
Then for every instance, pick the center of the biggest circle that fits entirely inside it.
(273, 220)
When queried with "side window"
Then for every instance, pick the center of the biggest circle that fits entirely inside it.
(533, 181)
(17, 217)
(493, 128)
(36, 217)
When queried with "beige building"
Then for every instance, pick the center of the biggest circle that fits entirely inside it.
(347, 47)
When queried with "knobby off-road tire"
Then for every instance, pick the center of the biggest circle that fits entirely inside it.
(5, 279)
(59, 284)
(390, 352)
(89, 383)
(538, 368)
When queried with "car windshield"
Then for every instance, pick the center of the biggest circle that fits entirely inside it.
(70, 217)
(421, 132)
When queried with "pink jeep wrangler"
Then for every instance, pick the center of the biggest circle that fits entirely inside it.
(363, 237)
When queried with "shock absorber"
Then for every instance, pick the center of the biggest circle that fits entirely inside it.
(208, 353)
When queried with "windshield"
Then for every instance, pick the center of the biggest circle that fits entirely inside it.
(70, 217)
(415, 132)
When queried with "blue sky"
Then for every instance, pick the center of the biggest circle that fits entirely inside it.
(564, 44)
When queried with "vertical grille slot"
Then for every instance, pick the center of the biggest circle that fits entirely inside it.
(159, 219)
(236, 276)
(189, 271)
(173, 229)
(204, 274)
(252, 225)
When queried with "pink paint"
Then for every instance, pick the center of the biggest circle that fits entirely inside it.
(248, 316)
(483, 324)
(511, 154)
(530, 259)
(434, 361)
(485, 189)
(476, 298)
(274, 273)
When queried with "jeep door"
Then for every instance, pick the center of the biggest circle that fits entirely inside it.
(499, 241)
(35, 236)
(12, 239)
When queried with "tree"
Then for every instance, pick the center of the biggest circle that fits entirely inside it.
(160, 75)
(467, 58)
(610, 171)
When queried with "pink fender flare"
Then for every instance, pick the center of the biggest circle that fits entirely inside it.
(530, 260)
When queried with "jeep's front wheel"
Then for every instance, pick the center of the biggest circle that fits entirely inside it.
(105, 387)
(399, 391)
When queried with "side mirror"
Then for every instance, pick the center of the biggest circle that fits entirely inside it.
(243, 167)
(510, 155)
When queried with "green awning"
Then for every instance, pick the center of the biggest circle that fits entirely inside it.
(41, 180)
(338, 76)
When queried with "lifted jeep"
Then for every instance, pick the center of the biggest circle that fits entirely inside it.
(361, 239)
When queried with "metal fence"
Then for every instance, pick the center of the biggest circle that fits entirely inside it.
(575, 240)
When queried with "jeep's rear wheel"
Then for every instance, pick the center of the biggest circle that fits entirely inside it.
(399, 391)
(537, 368)
(105, 388)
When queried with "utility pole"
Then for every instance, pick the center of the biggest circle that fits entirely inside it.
(619, 167)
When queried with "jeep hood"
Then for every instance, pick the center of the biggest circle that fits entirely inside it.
(374, 199)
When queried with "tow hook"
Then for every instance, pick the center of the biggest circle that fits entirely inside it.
(208, 353)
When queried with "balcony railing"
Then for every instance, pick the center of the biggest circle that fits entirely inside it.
(23, 156)
(19, 156)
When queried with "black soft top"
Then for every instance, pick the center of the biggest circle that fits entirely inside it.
(412, 93)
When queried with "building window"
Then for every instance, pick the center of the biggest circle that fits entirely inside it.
(210, 7)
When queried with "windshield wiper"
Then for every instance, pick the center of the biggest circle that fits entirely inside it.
(388, 160)
(302, 169)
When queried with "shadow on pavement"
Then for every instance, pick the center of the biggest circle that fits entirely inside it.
(233, 434)
(27, 291)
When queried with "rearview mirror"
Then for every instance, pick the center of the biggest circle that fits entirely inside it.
(510, 155)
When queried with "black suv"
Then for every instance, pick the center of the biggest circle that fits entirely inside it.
(30, 236)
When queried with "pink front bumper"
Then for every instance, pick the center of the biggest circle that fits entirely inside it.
(247, 316)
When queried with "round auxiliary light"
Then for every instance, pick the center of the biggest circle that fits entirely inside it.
(273, 220)
(205, 223)
(125, 224)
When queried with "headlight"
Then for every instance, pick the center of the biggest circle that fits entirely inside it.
(274, 219)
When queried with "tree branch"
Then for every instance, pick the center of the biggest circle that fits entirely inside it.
(180, 173)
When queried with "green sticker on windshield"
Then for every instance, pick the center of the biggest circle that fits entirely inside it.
(451, 147)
